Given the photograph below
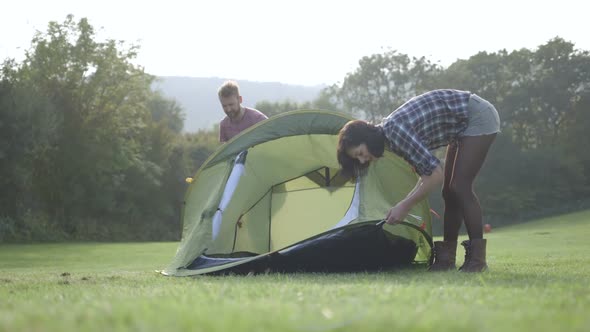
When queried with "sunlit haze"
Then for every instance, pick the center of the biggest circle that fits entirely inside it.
(305, 42)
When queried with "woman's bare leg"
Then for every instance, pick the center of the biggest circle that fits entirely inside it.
(453, 215)
(470, 156)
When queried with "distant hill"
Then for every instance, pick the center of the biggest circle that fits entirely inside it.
(198, 96)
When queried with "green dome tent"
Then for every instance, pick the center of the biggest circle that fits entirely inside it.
(273, 197)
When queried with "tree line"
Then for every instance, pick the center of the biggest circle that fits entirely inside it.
(88, 150)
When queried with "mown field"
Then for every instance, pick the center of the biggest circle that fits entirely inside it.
(538, 280)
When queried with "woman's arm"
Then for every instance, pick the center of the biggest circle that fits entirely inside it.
(423, 187)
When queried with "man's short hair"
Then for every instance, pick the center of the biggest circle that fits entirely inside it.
(228, 89)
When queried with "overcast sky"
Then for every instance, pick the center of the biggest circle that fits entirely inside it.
(305, 42)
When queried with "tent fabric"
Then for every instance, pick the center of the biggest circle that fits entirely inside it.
(288, 191)
(230, 186)
(356, 247)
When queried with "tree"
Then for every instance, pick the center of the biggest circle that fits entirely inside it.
(95, 142)
(382, 82)
(540, 95)
(274, 108)
(324, 101)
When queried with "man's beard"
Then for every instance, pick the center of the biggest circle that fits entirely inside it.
(234, 114)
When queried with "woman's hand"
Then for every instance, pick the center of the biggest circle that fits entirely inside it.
(425, 184)
(397, 214)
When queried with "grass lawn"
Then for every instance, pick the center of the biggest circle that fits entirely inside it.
(538, 281)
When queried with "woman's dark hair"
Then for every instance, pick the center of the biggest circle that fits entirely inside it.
(353, 134)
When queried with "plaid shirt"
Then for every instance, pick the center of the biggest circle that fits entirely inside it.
(424, 123)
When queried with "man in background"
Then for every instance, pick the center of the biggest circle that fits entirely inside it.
(238, 117)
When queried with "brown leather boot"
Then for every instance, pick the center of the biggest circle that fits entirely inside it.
(475, 256)
(444, 256)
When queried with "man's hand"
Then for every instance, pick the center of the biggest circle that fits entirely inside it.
(397, 214)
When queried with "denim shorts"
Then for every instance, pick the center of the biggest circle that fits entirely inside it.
(483, 118)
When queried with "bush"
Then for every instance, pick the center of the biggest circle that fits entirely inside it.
(8, 229)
